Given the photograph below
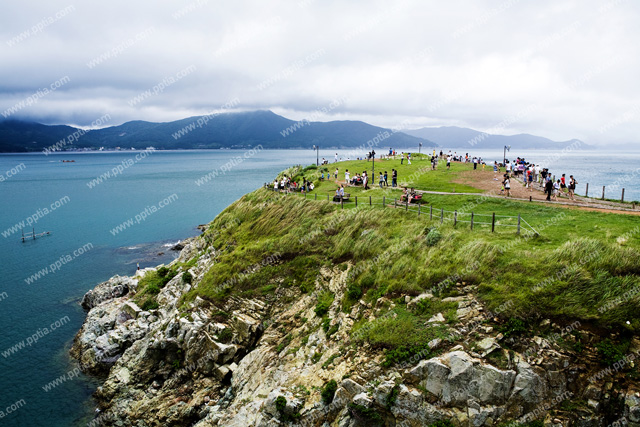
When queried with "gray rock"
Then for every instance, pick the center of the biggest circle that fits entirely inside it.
(363, 399)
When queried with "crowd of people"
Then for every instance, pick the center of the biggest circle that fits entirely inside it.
(533, 175)
(289, 185)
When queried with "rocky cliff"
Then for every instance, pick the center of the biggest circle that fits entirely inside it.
(275, 360)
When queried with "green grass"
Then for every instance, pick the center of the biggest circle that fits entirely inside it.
(580, 261)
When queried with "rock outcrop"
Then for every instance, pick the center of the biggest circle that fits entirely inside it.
(265, 361)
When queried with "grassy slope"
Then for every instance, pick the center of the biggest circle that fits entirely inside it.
(580, 261)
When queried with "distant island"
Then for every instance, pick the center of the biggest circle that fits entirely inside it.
(249, 129)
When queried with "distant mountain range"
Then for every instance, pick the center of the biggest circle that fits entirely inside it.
(232, 130)
(457, 137)
(249, 129)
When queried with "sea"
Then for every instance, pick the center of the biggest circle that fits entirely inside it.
(108, 212)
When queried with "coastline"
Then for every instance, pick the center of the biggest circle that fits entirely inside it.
(201, 362)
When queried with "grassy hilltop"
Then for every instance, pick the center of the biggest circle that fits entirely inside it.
(583, 265)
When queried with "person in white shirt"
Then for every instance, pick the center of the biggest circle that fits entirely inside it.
(347, 176)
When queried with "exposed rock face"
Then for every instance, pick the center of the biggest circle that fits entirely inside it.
(264, 362)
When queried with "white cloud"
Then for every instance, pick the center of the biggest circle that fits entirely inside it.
(459, 63)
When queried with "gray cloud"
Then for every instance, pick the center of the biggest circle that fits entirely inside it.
(475, 64)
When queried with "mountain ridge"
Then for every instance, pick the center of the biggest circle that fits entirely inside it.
(229, 130)
(458, 137)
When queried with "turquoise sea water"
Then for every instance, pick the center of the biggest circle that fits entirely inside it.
(86, 217)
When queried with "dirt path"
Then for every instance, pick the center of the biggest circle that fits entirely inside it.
(492, 182)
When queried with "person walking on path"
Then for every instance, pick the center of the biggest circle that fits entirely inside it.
(394, 178)
(507, 185)
(548, 188)
(572, 186)
(381, 180)
(556, 190)
(449, 162)
(347, 176)
(365, 180)
(530, 180)
(336, 174)
(386, 183)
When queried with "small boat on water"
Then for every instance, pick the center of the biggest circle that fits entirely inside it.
(68, 161)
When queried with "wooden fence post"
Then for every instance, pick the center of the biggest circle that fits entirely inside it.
(455, 218)
(406, 204)
(342, 202)
(518, 232)
(395, 205)
(419, 206)
(603, 192)
(493, 222)
(622, 198)
(384, 205)
(472, 220)
(370, 201)
(441, 215)
(356, 201)
(327, 197)
(431, 212)
(586, 193)
(316, 196)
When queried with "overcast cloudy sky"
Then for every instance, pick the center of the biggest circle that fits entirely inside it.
(560, 68)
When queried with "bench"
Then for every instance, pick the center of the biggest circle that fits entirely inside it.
(344, 199)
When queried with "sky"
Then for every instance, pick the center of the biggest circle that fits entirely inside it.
(561, 69)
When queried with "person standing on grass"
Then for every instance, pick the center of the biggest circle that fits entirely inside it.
(365, 180)
(449, 162)
(335, 160)
(386, 183)
(572, 187)
(409, 158)
(563, 183)
(381, 179)
(530, 179)
(347, 176)
(394, 178)
(401, 158)
(507, 185)
(336, 174)
(548, 188)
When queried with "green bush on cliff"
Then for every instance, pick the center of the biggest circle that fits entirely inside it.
(329, 391)
(325, 299)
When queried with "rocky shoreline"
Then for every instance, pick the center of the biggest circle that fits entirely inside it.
(267, 362)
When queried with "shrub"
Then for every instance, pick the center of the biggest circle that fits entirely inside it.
(150, 304)
(367, 415)
(514, 326)
(281, 404)
(610, 352)
(187, 277)
(225, 335)
(354, 292)
(329, 391)
(393, 396)
(325, 299)
(433, 237)
(163, 271)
